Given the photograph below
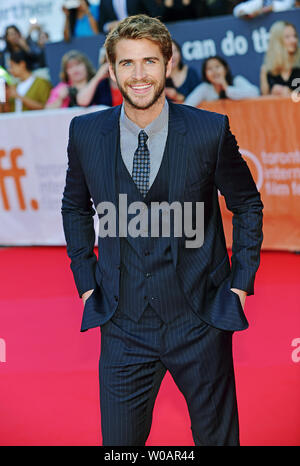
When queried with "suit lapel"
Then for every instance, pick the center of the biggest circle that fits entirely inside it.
(177, 156)
(108, 147)
(110, 134)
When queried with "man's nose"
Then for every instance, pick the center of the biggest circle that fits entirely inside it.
(139, 71)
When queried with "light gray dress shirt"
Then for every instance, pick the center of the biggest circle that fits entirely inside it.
(157, 132)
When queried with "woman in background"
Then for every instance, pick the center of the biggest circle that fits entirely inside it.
(81, 21)
(31, 92)
(220, 84)
(76, 71)
(282, 60)
(183, 79)
(15, 42)
(101, 89)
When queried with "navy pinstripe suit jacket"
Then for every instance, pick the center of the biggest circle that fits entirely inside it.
(204, 158)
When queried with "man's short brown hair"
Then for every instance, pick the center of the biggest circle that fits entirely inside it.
(139, 27)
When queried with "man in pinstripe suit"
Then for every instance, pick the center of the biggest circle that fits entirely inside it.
(160, 305)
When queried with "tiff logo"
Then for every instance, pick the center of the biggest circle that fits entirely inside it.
(15, 173)
(2, 350)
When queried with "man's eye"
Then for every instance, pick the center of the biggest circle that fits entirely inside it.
(126, 63)
(150, 61)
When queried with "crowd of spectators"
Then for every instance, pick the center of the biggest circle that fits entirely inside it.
(30, 88)
(253, 8)
(87, 19)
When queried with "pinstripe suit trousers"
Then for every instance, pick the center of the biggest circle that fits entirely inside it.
(133, 361)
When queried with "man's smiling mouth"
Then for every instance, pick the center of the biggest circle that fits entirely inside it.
(141, 88)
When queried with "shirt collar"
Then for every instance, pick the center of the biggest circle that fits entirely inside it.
(159, 124)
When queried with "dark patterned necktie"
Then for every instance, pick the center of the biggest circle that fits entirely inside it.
(141, 164)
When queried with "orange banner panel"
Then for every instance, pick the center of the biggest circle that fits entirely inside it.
(267, 132)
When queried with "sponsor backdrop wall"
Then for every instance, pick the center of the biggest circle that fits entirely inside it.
(33, 165)
(242, 43)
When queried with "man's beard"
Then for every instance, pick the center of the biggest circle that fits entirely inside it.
(155, 98)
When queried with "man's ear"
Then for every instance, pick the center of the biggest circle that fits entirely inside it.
(112, 72)
(169, 68)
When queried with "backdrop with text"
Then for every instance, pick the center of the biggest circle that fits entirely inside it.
(33, 165)
(242, 43)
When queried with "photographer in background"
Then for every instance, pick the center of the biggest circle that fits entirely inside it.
(15, 42)
(76, 71)
(37, 38)
(81, 19)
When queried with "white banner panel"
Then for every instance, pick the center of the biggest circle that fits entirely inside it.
(33, 162)
(47, 13)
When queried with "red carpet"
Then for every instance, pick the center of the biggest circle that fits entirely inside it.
(49, 370)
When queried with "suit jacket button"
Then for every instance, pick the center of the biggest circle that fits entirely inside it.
(116, 298)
